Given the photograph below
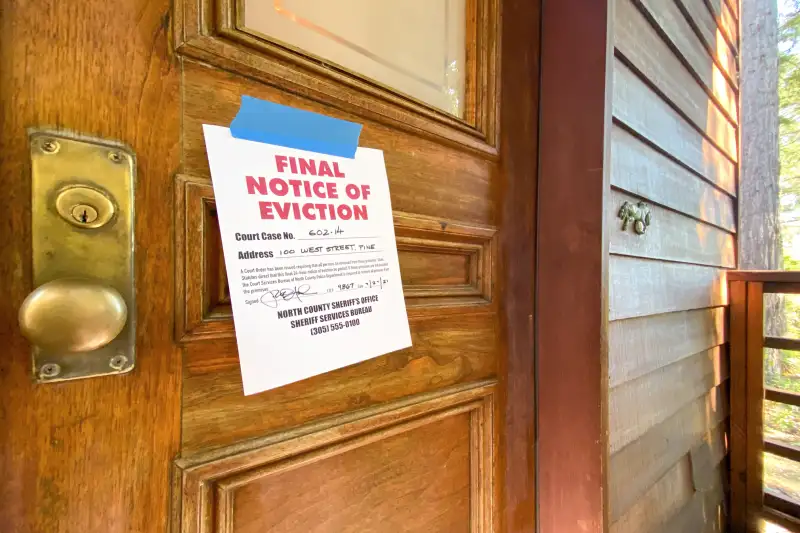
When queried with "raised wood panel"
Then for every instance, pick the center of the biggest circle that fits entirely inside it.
(637, 406)
(435, 268)
(446, 351)
(706, 28)
(213, 32)
(674, 25)
(416, 166)
(637, 466)
(354, 474)
(202, 307)
(660, 502)
(671, 236)
(642, 171)
(638, 346)
(443, 264)
(642, 110)
(378, 486)
(640, 43)
(640, 287)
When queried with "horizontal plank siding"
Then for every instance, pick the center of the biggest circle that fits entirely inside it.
(711, 36)
(637, 466)
(733, 6)
(639, 405)
(669, 18)
(639, 287)
(671, 236)
(637, 40)
(642, 171)
(660, 502)
(706, 457)
(665, 500)
(727, 22)
(718, 22)
(705, 513)
(673, 146)
(643, 111)
(639, 346)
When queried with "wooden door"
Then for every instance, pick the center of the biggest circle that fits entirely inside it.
(438, 437)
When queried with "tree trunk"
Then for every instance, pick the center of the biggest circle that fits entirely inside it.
(759, 202)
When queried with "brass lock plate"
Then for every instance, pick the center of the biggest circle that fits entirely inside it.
(82, 220)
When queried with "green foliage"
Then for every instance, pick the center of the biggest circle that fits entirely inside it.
(786, 374)
(789, 117)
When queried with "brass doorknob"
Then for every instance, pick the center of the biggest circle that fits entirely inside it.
(72, 315)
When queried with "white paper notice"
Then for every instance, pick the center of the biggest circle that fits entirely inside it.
(311, 258)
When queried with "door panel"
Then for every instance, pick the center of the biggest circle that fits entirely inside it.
(438, 437)
(87, 455)
(424, 465)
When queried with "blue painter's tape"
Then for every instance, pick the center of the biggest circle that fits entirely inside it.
(266, 122)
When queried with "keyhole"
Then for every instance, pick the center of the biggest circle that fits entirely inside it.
(84, 214)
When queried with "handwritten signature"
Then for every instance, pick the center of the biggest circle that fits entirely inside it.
(273, 296)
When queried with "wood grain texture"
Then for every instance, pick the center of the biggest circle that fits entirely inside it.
(641, 44)
(640, 287)
(90, 455)
(445, 265)
(637, 406)
(638, 346)
(738, 405)
(354, 473)
(643, 111)
(671, 22)
(376, 487)
(643, 171)
(213, 32)
(520, 146)
(784, 278)
(445, 352)
(434, 267)
(444, 171)
(636, 467)
(577, 50)
(670, 237)
(755, 398)
(463, 182)
(660, 502)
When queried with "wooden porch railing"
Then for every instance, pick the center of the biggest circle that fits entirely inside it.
(751, 501)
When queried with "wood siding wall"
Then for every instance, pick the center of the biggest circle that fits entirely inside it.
(673, 145)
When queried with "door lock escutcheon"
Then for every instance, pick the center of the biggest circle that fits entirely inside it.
(80, 317)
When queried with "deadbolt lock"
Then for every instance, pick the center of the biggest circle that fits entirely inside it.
(84, 206)
(80, 316)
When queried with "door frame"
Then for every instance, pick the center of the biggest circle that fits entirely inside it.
(572, 263)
